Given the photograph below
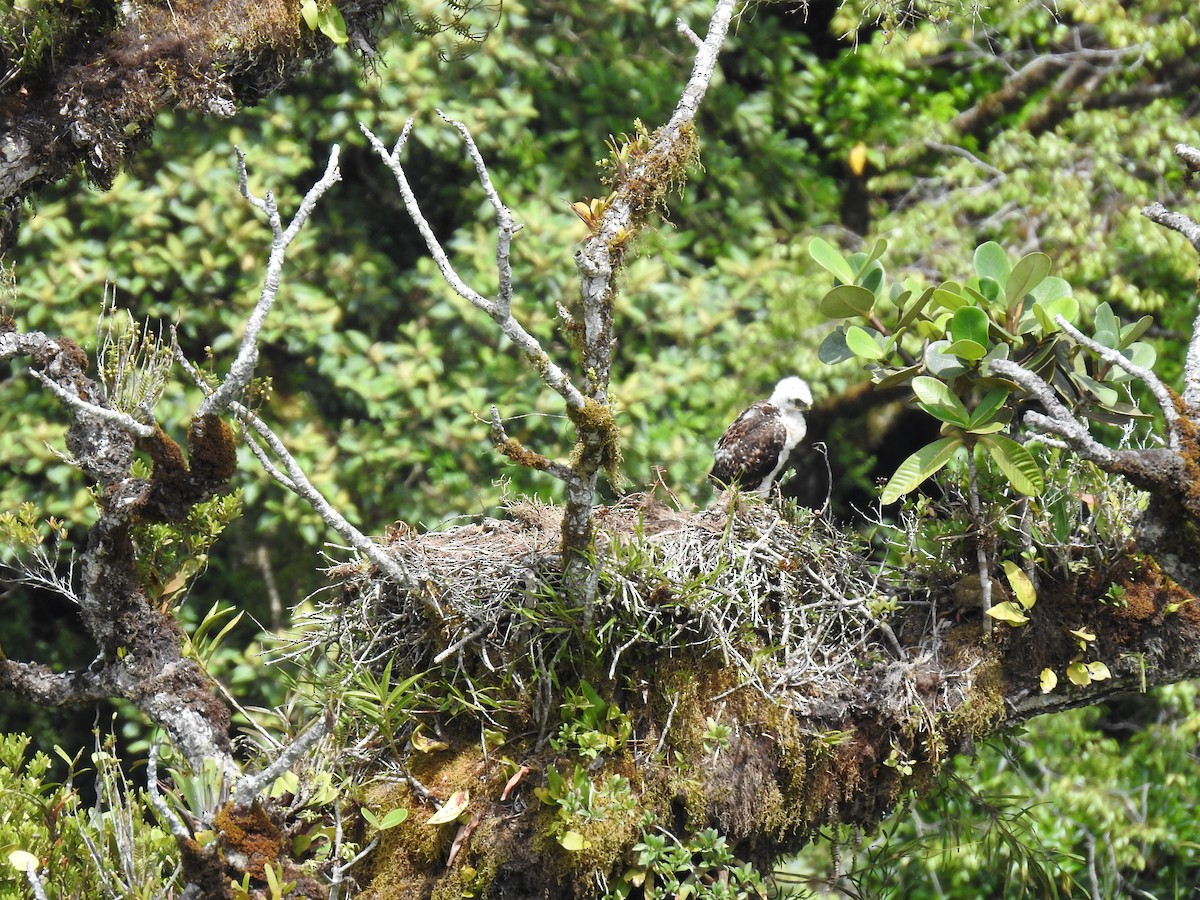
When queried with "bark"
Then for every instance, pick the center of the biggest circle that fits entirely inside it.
(97, 99)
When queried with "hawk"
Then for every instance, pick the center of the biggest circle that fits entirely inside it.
(755, 448)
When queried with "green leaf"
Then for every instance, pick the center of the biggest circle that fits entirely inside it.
(1103, 394)
(871, 277)
(914, 308)
(862, 343)
(921, 465)
(847, 300)
(877, 250)
(987, 407)
(23, 861)
(393, 818)
(992, 262)
(1098, 671)
(990, 292)
(833, 349)
(332, 25)
(900, 376)
(1022, 587)
(1067, 307)
(1106, 320)
(1051, 288)
(1048, 680)
(941, 363)
(829, 259)
(454, 807)
(939, 401)
(970, 323)
(310, 12)
(969, 351)
(1132, 332)
(1026, 275)
(1018, 466)
(1141, 354)
(948, 296)
(1008, 612)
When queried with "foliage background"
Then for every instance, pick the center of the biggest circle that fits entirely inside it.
(380, 376)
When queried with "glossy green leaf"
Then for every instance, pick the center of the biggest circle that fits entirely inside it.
(1141, 354)
(1104, 319)
(1067, 307)
(573, 841)
(332, 25)
(909, 310)
(862, 343)
(310, 11)
(1098, 671)
(1029, 271)
(872, 278)
(931, 390)
(967, 350)
(831, 260)
(847, 300)
(921, 465)
(992, 262)
(1103, 394)
(1079, 674)
(946, 298)
(877, 250)
(1051, 288)
(970, 323)
(991, 292)
(1018, 466)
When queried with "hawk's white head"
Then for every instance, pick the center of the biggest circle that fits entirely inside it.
(792, 393)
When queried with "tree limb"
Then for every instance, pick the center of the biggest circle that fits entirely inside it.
(242, 370)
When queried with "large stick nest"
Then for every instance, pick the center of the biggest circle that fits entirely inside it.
(788, 602)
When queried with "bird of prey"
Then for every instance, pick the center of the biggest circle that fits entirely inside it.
(754, 450)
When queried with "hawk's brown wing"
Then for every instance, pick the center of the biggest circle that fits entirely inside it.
(749, 449)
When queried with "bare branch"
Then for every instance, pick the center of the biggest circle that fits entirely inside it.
(1189, 155)
(1058, 419)
(242, 369)
(303, 488)
(499, 310)
(1152, 381)
(1185, 225)
(251, 785)
(505, 226)
(683, 28)
(124, 421)
(1189, 228)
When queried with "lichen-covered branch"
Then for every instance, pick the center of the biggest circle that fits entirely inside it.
(1147, 377)
(1185, 225)
(139, 656)
(242, 369)
(1057, 419)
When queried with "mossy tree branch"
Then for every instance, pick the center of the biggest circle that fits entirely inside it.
(94, 100)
